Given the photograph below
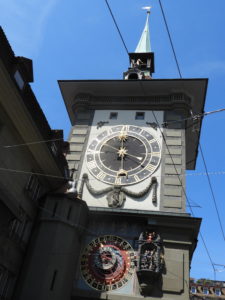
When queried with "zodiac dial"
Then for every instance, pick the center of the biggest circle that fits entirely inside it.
(123, 155)
(107, 263)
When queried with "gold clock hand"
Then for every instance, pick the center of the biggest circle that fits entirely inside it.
(123, 134)
(138, 157)
(110, 147)
(123, 152)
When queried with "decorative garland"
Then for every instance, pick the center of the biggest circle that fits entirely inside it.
(116, 194)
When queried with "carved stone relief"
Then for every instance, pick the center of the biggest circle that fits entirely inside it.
(116, 195)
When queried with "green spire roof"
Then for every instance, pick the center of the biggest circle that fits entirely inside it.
(144, 43)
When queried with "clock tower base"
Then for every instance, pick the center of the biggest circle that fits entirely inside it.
(170, 246)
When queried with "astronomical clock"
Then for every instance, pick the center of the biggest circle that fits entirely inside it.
(107, 263)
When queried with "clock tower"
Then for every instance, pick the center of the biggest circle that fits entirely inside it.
(131, 142)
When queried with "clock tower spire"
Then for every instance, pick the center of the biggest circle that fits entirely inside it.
(142, 60)
(144, 44)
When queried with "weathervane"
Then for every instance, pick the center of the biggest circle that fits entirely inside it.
(148, 8)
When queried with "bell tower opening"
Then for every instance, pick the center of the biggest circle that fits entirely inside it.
(133, 76)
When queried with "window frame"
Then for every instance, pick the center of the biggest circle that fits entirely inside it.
(140, 115)
(113, 115)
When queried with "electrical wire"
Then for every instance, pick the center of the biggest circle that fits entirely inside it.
(32, 143)
(164, 124)
(178, 67)
(94, 179)
(34, 173)
(193, 117)
(117, 27)
(212, 192)
(169, 35)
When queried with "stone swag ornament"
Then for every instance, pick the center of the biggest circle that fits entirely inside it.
(150, 264)
(116, 195)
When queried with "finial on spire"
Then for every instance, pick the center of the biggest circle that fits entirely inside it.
(144, 42)
(148, 8)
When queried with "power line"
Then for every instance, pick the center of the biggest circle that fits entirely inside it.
(164, 124)
(169, 35)
(198, 116)
(117, 27)
(212, 192)
(94, 179)
(178, 176)
(34, 173)
(178, 68)
(194, 117)
(32, 143)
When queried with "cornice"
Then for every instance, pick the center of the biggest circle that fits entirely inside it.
(175, 101)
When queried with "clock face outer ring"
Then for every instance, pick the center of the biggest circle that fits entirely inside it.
(107, 263)
(145, 156)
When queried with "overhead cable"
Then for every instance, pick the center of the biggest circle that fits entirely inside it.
(169, 35)
(178, 68)
(117, 27)
(164, 124)
(212, 192)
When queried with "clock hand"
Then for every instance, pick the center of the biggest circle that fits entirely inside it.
(123, 134)
(137, 157)
(137, 162)
(123, 153)
(110, 147)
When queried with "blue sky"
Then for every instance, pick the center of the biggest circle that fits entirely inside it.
(78, 40)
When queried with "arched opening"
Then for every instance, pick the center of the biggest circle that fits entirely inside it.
(133, 76)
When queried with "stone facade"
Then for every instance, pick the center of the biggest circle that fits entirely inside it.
(178, 231)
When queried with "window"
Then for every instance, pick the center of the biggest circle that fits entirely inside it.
(140, 116)
(193, 289)
(17, 228)
(54, 149)
(217, 292)
(4, 282)
(53, 280)
(54, 209)
(205, 291)
(19, 79)
(69, 212)
(33, 187)
(113, 116)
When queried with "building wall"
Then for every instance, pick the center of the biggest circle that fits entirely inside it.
(21, 122)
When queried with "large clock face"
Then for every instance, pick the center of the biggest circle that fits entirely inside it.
(123, 155)
(107, 263)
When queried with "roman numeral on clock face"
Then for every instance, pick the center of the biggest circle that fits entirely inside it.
(101, 175)
(136, 178)
(155, 153)
(118, 181)
(92, 164)
(150, 168)
(153, 140)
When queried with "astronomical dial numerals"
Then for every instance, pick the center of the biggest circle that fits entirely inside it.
(123, 155)
(107, 263)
